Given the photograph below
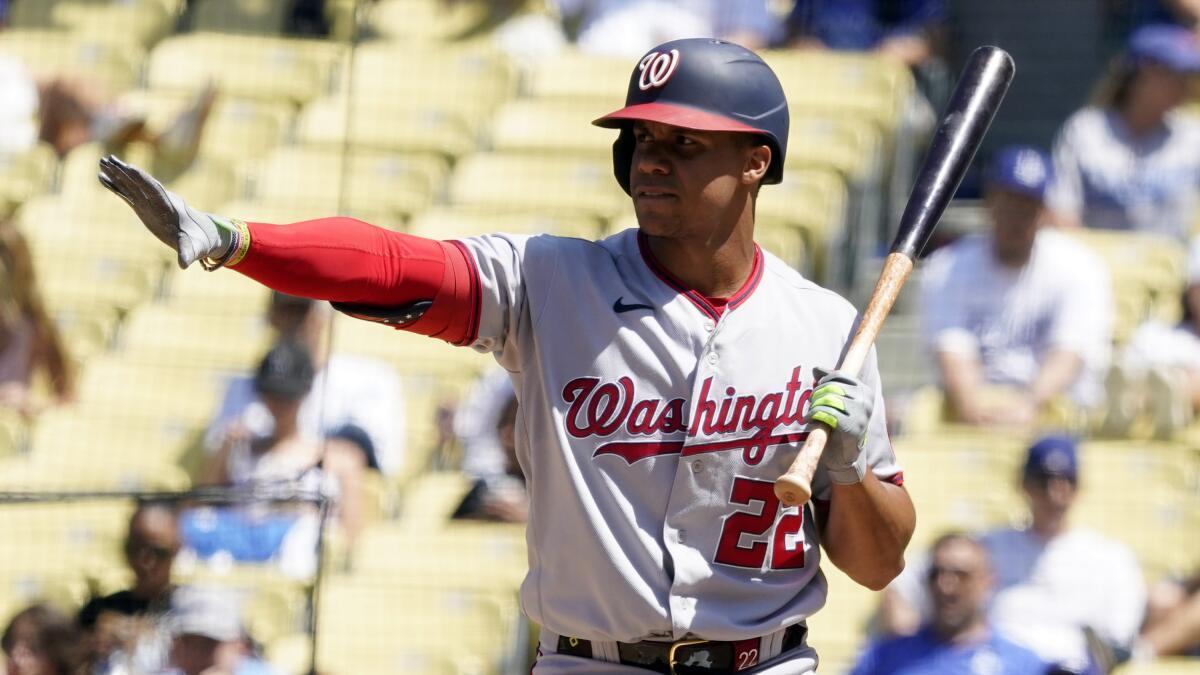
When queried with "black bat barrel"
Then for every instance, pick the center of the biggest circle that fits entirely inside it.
(974, 103)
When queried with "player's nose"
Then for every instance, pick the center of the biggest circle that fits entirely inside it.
(648, 160)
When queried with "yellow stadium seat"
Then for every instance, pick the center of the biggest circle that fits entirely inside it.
(164, 334)
(51, 53)
(542, 184)
(842, 82)
(237, 128)
(424, 20)
(183, 393)
(412, 355)
(472, 556)
(1178, 665)
(573, 75)
(224, 291)
(553, 126)
(87, 471)
(382, 187)
(850, 145)
(432, 498)
(102, 228)
(383, 127)
(245, 66)
(68, 282)
(813, 201)
(139, 21)
(456, 223)
(388, 75)
(25, 176)
(360, 630)
(836, 630)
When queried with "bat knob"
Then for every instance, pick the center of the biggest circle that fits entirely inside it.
(793, 490)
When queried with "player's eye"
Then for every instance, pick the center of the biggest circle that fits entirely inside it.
(642, 136)
(685, 140)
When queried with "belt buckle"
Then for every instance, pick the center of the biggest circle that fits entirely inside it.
(675, 647)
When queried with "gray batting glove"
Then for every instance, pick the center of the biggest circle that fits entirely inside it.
(844, 403)
(193, 235)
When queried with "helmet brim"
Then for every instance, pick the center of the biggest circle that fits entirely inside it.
(675, 115)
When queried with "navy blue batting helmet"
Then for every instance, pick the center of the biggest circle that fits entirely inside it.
(707, 85)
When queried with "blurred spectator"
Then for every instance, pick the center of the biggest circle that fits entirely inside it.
(355, 405)
(284, 460)
(18, 115)
(1159, 369)
(500, 497)
(208, 637)
(1172, 625)
(41, 640)
(29, 340)
(123, 626)
(903, 29)
(957, 638)
(1023, 307)
(477, 422)
(1183, 12)
(630, 27)
(1130, 161)
(1054, 583)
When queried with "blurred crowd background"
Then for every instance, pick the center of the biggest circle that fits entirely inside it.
(200, 476)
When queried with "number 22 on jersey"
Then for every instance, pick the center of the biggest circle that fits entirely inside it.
(786, 544)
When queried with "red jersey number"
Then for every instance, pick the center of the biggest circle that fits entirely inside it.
(787, 542)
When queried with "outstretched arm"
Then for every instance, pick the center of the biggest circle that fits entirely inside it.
(337, 259)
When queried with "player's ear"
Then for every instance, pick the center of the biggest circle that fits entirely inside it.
(758, 160)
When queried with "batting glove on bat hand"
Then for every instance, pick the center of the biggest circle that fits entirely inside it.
(193, 235)
(844, 403)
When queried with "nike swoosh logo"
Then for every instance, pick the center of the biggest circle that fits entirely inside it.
(620, 307)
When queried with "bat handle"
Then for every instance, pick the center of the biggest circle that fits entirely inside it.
(794, 488)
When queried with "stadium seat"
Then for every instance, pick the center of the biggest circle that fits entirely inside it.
(138, 21)
(471, 556)
(412, 355)
(25, 176)
(360, 631)
(381, 127)
(1177, 665)
(552, 126)
(237, 128)
(389, 75)
(847, 144)
(246, 66)
(837, 629)
(382, 187)
(101, 228)
(556, 185)
(51, 53)
(574, 76)
(818, 80)
(223, 292)
(456, 223)
(812, 201)
(164, 334)
(424, 21)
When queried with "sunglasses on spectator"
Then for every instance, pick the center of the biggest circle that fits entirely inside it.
(161, 553)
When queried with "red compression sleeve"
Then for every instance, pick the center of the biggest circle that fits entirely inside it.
(346, 260)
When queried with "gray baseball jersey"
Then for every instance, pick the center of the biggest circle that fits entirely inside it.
(651, 428)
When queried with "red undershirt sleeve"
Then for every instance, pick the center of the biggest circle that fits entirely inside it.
(346, 260)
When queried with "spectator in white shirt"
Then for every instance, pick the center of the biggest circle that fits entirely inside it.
(355, 404)
(1159, 369)
(1130, 161)
(1054, 584)
(630, 27)
(1022, 307)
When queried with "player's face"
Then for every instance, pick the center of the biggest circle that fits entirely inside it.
(959, 582)
(687, 184)
(1015, 219)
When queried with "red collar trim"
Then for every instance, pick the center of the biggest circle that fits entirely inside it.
(702, 303)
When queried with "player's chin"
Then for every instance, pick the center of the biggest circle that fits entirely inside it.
(656, 219)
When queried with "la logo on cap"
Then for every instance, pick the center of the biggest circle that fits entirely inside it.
(1029, 169)
(656, 68)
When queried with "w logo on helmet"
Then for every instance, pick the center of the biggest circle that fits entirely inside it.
(656, 68)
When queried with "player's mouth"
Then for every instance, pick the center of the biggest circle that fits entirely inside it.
(654, 194)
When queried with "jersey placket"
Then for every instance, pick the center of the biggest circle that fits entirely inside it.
(676, 539)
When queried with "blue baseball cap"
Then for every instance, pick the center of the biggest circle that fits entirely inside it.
(1173, 46)
(1053, 456)
(1021, 169)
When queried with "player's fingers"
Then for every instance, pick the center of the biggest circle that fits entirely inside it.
(128, 177)
(120, 178)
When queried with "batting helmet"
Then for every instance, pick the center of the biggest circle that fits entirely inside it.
(707, 85)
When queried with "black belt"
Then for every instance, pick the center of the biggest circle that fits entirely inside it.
(702, 657)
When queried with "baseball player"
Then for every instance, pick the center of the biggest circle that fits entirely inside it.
(666, 377)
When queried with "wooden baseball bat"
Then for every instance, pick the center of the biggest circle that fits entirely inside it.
(974, 103)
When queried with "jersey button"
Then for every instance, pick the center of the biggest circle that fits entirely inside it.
(713, 358)
(697, 466)
(681, 536)
(709, 325)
